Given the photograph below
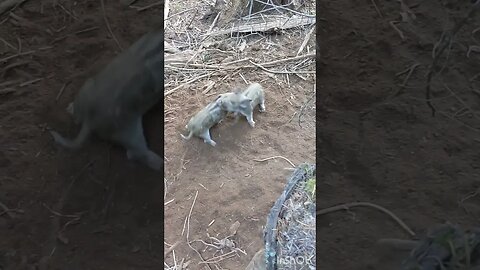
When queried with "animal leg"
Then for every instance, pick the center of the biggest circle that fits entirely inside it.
(249, 116)
(262, 106)
(78, 142)
(187, 137)
(133, 140)
(207, 139)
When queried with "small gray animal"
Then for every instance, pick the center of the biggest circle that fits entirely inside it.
(200, 124)
(234, 102)
(112, 103)
(245, 102)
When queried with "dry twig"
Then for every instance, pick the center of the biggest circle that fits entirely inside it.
(188, 229)
(443, 43)
(9, 211)
(284, 158)
(347, 206)
(102, 2)
(306, 39)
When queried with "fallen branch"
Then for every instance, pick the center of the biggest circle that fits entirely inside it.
(306, 39)
(269, 23)
(187, 82)
(347, 206)
(281, 71)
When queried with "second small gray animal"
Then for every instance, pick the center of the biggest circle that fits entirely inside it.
(256, 94)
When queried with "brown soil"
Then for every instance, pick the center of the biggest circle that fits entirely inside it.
(392, 152)
(93, 209)
(120, 227)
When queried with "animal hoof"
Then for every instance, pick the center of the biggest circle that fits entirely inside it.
(212, 143)
(252, 124)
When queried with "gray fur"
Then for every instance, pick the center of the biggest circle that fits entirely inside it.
(200, 124)
(245, 102)
(112, 103)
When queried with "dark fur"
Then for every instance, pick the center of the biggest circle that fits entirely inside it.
(112, 103)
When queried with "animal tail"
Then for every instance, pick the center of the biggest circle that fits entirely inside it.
(72, 144)
(187, 137)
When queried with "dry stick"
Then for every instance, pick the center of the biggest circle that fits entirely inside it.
(9, 211)
(23, 53)
(310, 55)
(376, 8)
(17, 64)
(61, 90)
(8, 44)
(68, 12)
(445, 41)
(280, 71)
(475, 77)
(306, 39)
(16, 55)
(188, 82)
(400, 33)
(404, 84)
(304, 106)
(347, 206)
(181, 12)
(170, 249)
(30, 82)
(220, 258)
(76, 33)
(284, 158)
(166, 10)
(57, 213)
(188, 230)
(108, 25)
(19, 45)
(140, 9)
(224, 66)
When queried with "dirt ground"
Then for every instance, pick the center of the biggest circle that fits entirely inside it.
(232, 186)
(107, 210)
(93, 209)
(390, 150)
